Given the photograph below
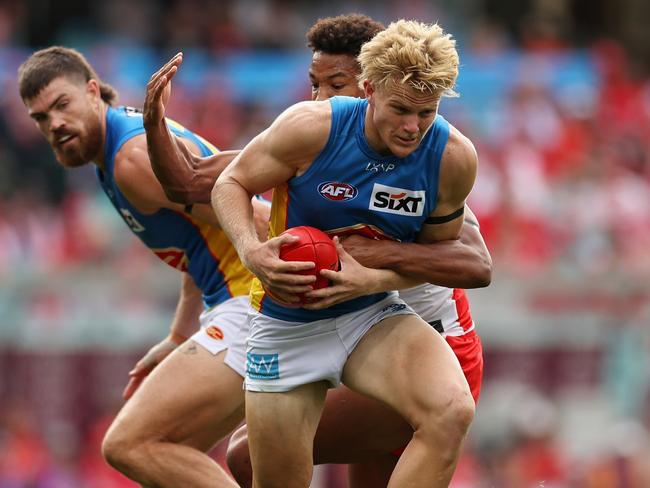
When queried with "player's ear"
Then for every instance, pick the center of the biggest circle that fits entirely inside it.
(368, 89)
(92, 88)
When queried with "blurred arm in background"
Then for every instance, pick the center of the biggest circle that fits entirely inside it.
(184, 324)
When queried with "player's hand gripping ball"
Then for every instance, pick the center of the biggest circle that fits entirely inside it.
(316, 246)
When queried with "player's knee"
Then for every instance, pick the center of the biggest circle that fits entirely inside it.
(117, 448)
(459, 412)
(111, 449)
(462, 411)
(238, 458)
(448, 418)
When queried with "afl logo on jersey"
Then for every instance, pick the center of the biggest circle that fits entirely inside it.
(338, 192)
(397, 200)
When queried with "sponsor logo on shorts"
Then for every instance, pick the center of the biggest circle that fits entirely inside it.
(398, 201)
(394, 307)
(214, 332)
(262, 366)
(338, 192)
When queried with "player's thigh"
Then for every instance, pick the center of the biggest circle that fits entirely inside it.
(288, 417)
(192, 397)
(355, 428)
(403, 362)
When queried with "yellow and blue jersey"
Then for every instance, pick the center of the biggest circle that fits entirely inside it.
(350, 188)
(175, 237)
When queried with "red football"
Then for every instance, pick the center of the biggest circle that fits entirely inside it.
(316, 246)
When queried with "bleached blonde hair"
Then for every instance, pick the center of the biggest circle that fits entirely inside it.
(412, 53)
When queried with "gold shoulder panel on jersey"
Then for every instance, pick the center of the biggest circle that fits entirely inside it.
(209, 145)
(237, 277)
(182, 128)
(175, 125)
(279, 207)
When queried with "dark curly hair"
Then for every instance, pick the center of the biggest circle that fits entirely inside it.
(47, 64)
(344, 34)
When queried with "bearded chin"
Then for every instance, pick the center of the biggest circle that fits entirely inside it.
(86, 151)
(70, 160)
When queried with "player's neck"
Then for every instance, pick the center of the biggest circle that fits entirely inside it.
(98, 159)
(372, 135)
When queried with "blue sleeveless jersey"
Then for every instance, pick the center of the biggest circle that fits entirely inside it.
(352, 189)
(175, 237)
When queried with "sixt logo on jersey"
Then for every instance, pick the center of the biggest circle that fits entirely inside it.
(338, 192)
(397, 200)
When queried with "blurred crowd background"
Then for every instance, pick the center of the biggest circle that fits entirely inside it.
(555, 94)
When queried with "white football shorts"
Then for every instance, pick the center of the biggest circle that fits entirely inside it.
(281, 355)
(225, 326)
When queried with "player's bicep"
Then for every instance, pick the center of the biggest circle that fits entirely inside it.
(257, 168)
(281, 151)
(444, 223)
(137, 181)
(457, 176)
(471, 235)
(447, 229)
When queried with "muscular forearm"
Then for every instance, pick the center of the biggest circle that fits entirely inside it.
(453, 264)
(387, 280)
(188, 310)
(170, 160)
(232, 205)
(186, 178)
(447, 263)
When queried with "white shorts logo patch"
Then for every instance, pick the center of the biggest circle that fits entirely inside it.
(397, 200)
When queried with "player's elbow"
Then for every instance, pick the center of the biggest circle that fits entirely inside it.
(178, 195)
(190, 193)
(226, 187)
(189, 196)
(480, 273)
(482, 278)
(176, 185)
